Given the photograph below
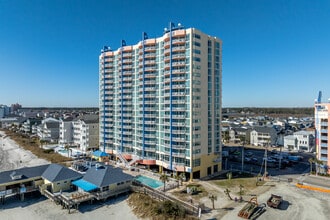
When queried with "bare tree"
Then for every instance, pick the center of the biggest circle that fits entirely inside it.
(212, 198)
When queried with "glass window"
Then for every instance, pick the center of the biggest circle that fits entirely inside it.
(197, 36)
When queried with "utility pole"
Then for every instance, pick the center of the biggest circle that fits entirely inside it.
(265, 158)
(279, 165)
(265, 162)
(243, 157)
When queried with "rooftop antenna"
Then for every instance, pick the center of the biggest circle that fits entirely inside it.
(319, 98)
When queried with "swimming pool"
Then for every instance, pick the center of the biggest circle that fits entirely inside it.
(149, 181)
(63, 151)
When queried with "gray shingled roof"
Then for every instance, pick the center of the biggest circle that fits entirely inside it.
(105, 176)
(25, 172)
(90, 119)
(56, 172)
(269, 130)
(53, 124)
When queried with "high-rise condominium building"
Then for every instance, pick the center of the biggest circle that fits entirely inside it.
(322, 126)
(160, 102)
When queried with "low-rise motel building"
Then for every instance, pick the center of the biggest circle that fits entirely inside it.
(64, 185)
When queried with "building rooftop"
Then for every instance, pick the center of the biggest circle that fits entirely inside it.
(22, 173)
(56, 172)
(106, 175)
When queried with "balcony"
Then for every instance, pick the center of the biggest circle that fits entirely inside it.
(324, 138)
(149, 122)
(150, 62)
(150, 55)
(178, 86)
(150, 82)
(179, 139)
(178, 63)
(323, 158)
(324, 145)
(178, 79)
(127, 73)
(149, 149)
(178, 94)
(150, 109)
(179, 124)
(178, 71)
(180, 48)
(147, 49)
(150, 142)
(179, 56)
(182, 155)
(324, 152)
(178, 116)
(178, 147)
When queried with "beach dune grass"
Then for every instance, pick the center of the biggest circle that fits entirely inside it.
(32, 145)
(145, 207)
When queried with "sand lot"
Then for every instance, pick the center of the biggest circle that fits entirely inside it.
(297, 204)
(12, 156)
(42, 208)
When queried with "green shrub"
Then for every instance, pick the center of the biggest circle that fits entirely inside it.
(48, 151)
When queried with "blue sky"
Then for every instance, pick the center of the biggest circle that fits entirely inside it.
(275, 53)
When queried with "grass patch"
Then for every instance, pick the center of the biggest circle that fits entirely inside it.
(197, 195)
(233, 184)
(147, 208)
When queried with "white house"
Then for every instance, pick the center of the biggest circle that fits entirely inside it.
(66, 131)
(290, 142)
(49, 129)
(86, 132)
(300, 140)
(263, 136)
(82, 132)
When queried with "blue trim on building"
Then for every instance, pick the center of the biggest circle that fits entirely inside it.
(104, 102)
(143, 97)
(122, 96)
(171, 129)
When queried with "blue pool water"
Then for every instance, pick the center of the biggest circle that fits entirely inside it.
(149, 181)
(63, 151)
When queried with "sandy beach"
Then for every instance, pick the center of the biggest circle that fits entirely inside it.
(12, 156)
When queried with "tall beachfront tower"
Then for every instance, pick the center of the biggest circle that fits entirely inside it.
(160, 102)
(322, 126)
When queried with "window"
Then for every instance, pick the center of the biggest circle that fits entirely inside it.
(197, 44)
(197, 59)
(197, 51)
(197, 162)
(197, 36)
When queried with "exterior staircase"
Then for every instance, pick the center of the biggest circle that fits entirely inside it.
(122, 159)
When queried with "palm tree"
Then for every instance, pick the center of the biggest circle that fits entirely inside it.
(212, 198)
(318, 163)
(241, 191)
(227, 192)
(311, 161)
(180, 178)
(67, 147)
(229, 175)
(164, 178)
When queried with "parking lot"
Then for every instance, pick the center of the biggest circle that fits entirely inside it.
(254, 161)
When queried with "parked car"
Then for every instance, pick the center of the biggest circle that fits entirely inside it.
(249, 154)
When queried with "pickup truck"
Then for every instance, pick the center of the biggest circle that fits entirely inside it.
(274, 201)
